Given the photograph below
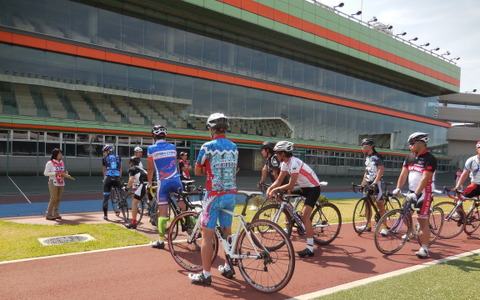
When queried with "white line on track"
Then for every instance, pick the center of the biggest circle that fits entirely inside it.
(364, 281)
(19, 189)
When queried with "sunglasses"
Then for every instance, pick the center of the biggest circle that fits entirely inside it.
(413, 143)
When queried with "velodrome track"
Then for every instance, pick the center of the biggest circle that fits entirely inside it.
(145, 273)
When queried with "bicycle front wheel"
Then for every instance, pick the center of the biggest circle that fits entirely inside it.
(264, 269)
(399, 230)
(392, 203)
(436, 221)
(185, 241)
(115, 200)
(123, 205)
(326, 222)
(140, 210)
(473, 221)
(453, 222)
(362, 216)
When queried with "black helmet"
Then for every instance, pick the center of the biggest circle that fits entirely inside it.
(159, 130)
(268, 145)
(368, 141)
(135, 160)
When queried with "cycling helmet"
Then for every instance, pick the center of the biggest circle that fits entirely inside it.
(418, 136)
(183, 153)
(283, 146)
(135, 160)
(138, 149)
(268, 145)
(478, 144)
(217, 120)
(107, 148)
(159, 130)
(368, 141)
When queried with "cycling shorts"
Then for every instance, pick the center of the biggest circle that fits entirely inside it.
(472, 190)
(212, 204)
(139, 191)
(165, 187)
(311, 194)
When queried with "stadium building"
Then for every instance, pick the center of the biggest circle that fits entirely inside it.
(79, 74)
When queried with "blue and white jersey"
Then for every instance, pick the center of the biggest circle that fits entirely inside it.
(113, 165)
(219, 157)
(164, 156)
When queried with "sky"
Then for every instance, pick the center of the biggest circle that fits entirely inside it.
(452, 25)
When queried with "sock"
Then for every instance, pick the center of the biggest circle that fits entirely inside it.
(105, 211)
(134, 222)
(226, 267)
(310, 244)
(206, 274)
(425, 247)
(162, 226)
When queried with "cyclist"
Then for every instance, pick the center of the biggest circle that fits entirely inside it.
(419, 167)
(137, 179)
(184, 166)
(307, 180)
(163, 157)
(217, 160)
(373, 176)
(138, 152)
(472, 168)
(112, 172)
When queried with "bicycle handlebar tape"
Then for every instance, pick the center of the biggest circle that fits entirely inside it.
(162, 225)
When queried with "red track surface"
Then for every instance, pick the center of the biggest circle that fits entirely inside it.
(146, 273)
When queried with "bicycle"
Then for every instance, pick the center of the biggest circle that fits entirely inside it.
(141, 205)
(362, 213)
(253, 248)
(119, 203)
(326, 218)
(456, 218)
(399, 223)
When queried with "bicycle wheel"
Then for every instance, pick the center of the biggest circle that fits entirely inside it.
(281, 218)
(123, 205)
(270, 270)
(473, 221)
(362, 214)
(326, 222)
(436, 220)
(140, 209)
(454, 220)
(153, 211)
(392, 203)
(185, 241)
(115, 200)
(299, 201)
(399, 230)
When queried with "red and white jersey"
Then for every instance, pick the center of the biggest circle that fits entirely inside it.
(306, 176)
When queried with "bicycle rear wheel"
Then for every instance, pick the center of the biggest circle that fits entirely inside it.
(399, 230)
(281, 218)
(454, 220)
(436, 220)
(326, 222)
(362, 214)
(270, 270)
(115, 200)
(153, 211)
(123, 205)
(185, 241)
(473, 220)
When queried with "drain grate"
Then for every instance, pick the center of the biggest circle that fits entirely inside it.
(57, 240)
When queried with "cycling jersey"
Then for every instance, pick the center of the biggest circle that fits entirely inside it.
(272, 164)
(372, 162)
(140, 175)
(219, 157)
(473, 165)
(184, 175)
(113, 163)
(306, 176)
(416, 165)
(164, 156)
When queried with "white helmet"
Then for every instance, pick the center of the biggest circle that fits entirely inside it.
(159, 130)
(283, 146)
(138, 149)
(418, 136)
(217, 120)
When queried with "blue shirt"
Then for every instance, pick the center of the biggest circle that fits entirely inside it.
(164, 156)
(113, 163)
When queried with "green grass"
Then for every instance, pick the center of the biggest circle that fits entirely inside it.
(21, 240)
(449, 280)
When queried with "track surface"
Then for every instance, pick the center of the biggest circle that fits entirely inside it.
(146, 273)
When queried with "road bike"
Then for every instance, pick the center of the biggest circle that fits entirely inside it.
(362, 213)
(326, 218)
(400, 227)
(119, 203)
(456, 218)
(252, 248)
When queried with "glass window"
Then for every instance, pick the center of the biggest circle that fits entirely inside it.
(132, 34)
(53, 136)
(20, 135)
(109, 26)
